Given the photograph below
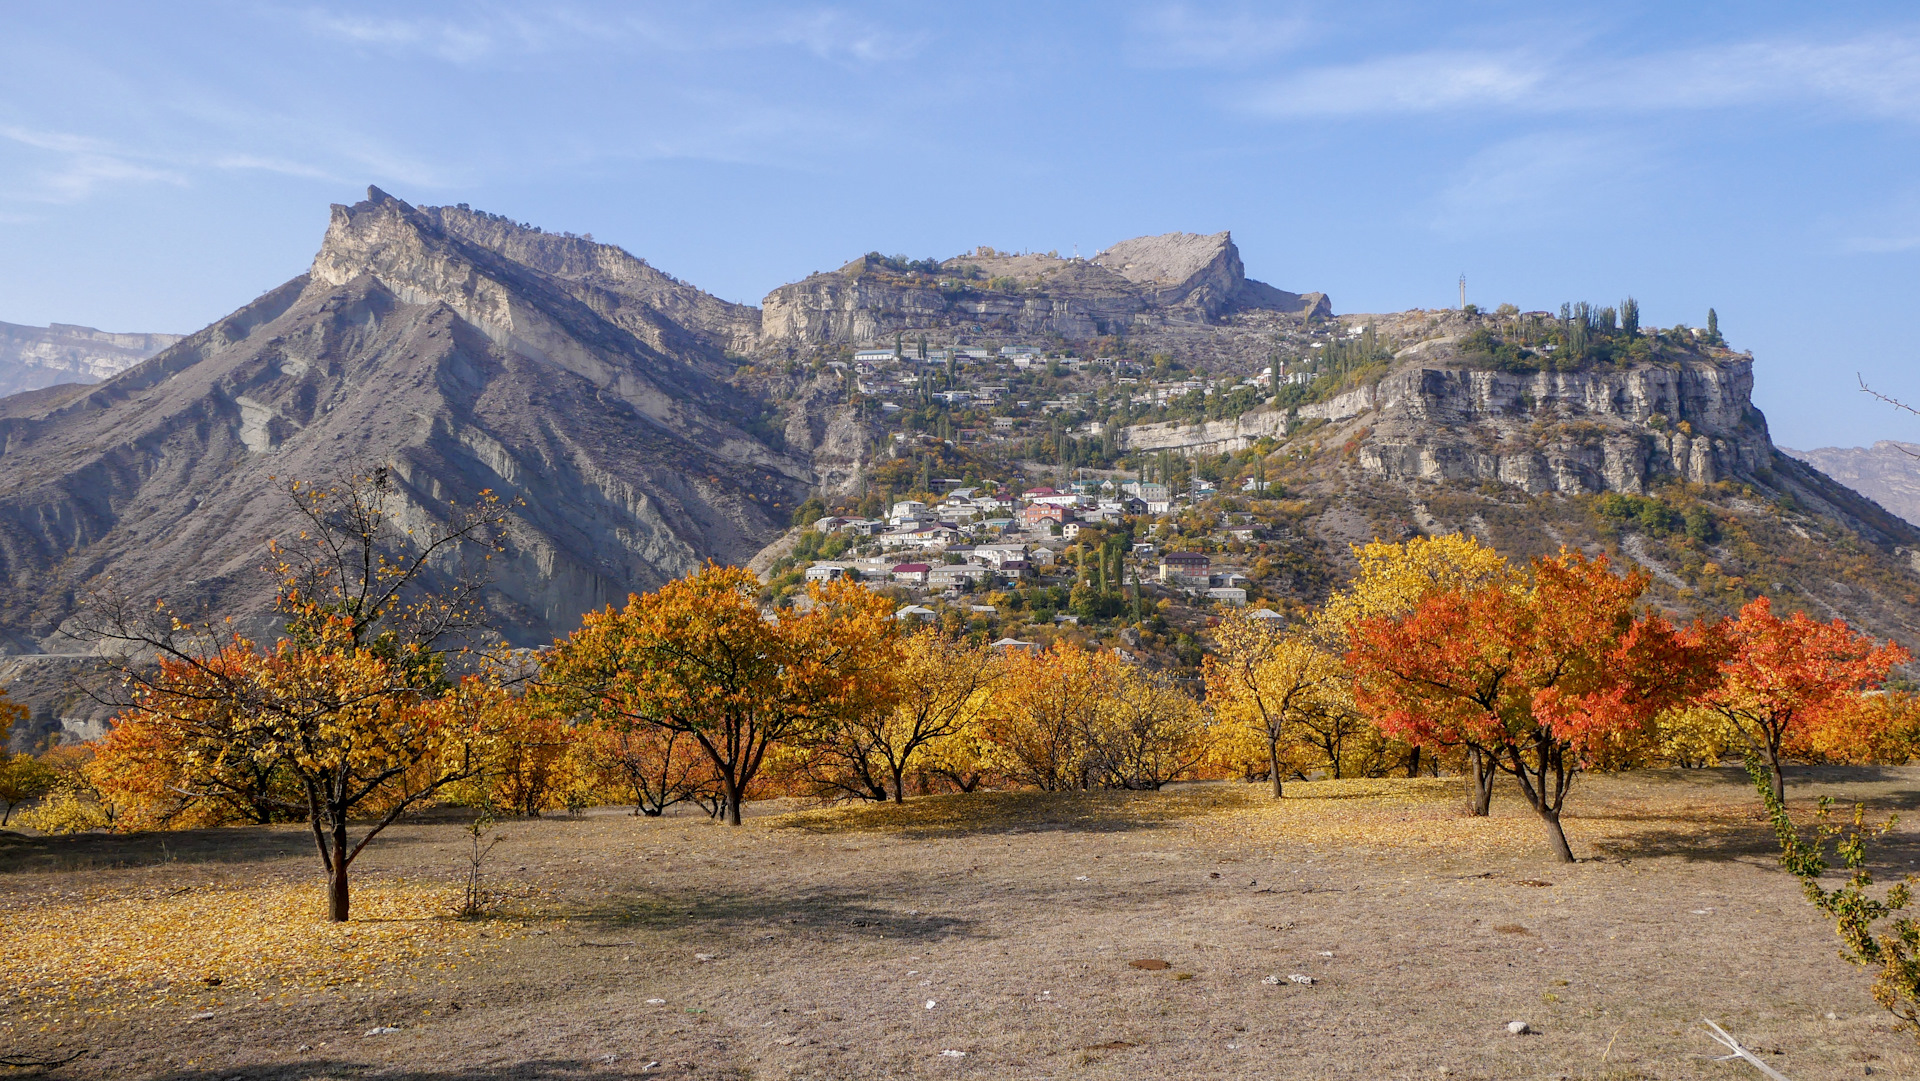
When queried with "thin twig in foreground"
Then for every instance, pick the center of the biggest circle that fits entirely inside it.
(1720, 1037)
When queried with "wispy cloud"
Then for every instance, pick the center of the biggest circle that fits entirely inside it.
(1873, 75)
(1179, 35)
(60, 167)
(1533, 181)
(486, 33)
(1889, 227)
(457, 41)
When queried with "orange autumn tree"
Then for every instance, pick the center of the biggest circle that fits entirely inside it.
(651, 768)
(1044, 713)
(1533, 679)
(698, 657)
(1781, 678)
(352, 708)
(866, 754)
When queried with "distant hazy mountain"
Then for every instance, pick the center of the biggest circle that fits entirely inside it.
(1887, 472)
(32, 358)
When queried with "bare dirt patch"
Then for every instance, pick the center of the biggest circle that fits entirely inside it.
(1354, 929)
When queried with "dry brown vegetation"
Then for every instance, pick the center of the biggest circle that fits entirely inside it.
(810, 943)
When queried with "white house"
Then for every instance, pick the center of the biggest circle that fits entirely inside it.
(997, 555)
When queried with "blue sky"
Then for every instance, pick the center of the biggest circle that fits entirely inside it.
(162, 164)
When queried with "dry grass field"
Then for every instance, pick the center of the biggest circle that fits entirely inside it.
(982, 936)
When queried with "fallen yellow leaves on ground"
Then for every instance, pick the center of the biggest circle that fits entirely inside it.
(208, 944)
(1426, 813)
(1023, 810)
(1430, 814)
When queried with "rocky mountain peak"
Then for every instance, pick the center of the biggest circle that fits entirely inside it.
(1170, 258)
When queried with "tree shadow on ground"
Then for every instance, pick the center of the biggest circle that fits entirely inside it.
(89, 851)
(820, 912)
(1889, 858)
(545, 1069)
(974, 813)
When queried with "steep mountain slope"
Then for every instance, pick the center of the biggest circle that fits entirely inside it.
(1887, 472)
(32, 358)
(463, 351)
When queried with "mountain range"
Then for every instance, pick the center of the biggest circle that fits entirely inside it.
(471, 352)
(640, 426)
(1887, 472)
(33, 358)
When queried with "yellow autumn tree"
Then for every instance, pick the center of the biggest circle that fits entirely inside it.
(1393, 579)
(1279, 691)
(698, 657)
(353, 702)
(942, 688)
(1391, 582)
(1044, 710)
(1148, 732)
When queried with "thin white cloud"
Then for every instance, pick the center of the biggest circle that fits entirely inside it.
(458, 41)
(1891, 227)
(60, 167)
(1415, 83)
(487, 32)
(1877, 75)
(254, 162)
(1536, 181)
(1179, 35)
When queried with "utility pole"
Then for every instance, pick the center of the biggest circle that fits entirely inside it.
(1463, 290)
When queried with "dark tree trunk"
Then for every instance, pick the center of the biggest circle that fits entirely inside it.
(337, 897)
(1273, 765)
(1413, 763)
(1776, 775)
(1556, 837)
(1480, 769)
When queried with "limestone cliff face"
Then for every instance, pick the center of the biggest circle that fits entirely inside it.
(1577, 433)
(1141, 284)
(1570, 432)
(434, 350)
(33, 358)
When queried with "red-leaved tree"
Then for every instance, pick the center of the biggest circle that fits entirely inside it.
(1780, 677)
(1535, 679)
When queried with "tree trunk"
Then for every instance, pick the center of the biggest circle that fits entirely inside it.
(1273, 765)
(337, 900)
(899, 790)
(1480, 771)
(1778, 777)
(1413, 763)
(1556, 837)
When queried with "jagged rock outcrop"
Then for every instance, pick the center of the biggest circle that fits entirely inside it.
(34, 358)
(465, 354)
(1141, 284)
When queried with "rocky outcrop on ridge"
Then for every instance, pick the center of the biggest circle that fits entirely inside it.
(1136, 286)
(33, 358)
(463, 353)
